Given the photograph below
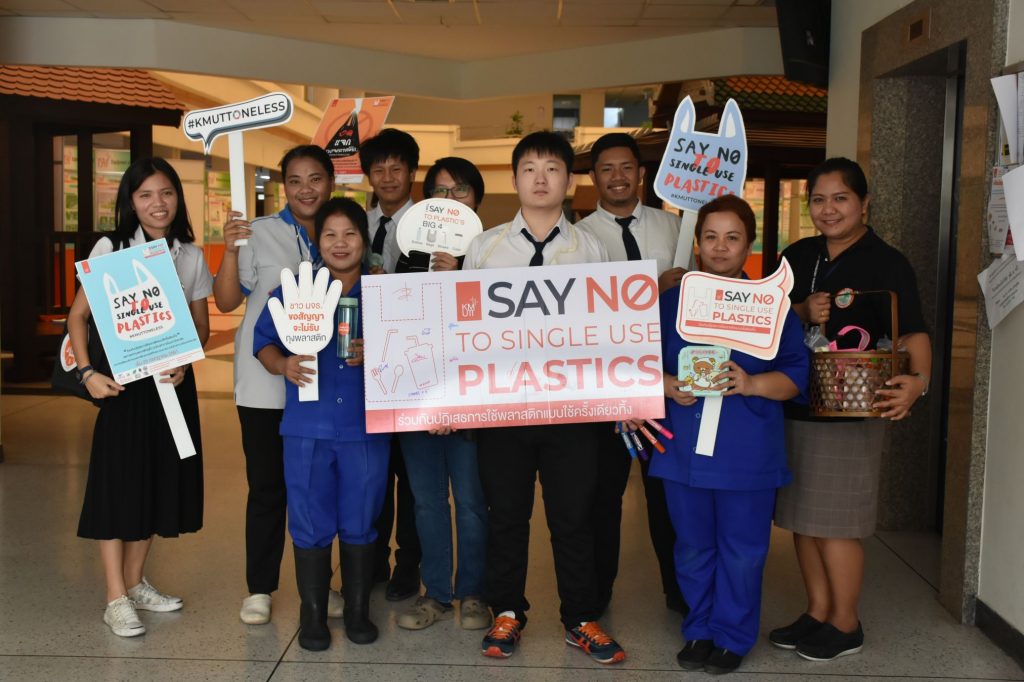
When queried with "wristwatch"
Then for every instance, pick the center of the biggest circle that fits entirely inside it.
(80, 372)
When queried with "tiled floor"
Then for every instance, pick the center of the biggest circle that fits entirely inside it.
(51, 590)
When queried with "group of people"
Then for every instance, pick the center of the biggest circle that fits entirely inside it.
(313, 466)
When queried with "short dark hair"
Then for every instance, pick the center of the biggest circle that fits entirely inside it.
(307, 151)
(544, 143)
(461, 170)
(611, 141)
(729, 203)
(125, 220)
(342, 206)
(390, 143)
(853, 175)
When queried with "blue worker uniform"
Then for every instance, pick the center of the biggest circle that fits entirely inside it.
(721, 506)
(335, 473)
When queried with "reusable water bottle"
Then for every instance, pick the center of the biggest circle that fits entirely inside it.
(348, 325)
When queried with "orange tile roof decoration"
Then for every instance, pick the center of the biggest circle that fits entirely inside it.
(124, 87)
(770, 93)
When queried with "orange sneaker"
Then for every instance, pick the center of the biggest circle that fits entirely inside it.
(592, 639)
(500, 641)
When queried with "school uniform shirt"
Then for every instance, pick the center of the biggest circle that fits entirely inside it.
(656, 233)
(196, 281)
(505, 246)
(750, 449)
(391, 252)
(340, 413)
(277, 242)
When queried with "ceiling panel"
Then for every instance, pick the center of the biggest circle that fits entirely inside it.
(510, 27)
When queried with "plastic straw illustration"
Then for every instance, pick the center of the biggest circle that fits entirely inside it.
(305, 317)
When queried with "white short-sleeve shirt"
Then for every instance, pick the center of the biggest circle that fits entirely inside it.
(505, 246)
(656, 233)
(189, 262)
(274, 244)
(391, 252)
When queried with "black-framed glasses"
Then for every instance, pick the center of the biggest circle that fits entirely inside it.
(456, 192)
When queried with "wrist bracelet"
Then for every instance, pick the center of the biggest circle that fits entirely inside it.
(923, 378)
(85, 376)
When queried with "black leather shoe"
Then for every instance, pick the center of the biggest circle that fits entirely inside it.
(404, 583)
(722, 661)
(694, 654)
(787, 636)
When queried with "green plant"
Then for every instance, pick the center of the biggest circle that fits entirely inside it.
(514, 128)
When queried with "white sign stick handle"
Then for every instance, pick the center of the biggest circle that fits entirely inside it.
(236, 165)
(175, 418)
(310, 392)
(684, 247)
(708, 432)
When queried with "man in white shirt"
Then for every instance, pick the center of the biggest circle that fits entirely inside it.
(389, 161)
(629, 231)
(510, 458)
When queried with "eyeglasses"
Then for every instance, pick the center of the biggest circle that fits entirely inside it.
(456, 192)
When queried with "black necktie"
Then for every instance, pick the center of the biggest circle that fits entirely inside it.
(538, 257)
(632, 250)
(378, 238)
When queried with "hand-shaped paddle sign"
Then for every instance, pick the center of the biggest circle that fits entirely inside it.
(305, 318)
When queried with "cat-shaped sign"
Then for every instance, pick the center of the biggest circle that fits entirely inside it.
(698, 167)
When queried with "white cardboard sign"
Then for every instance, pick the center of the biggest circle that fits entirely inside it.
(206, 125)
(438, 225)
(742, 314)
(304, 318)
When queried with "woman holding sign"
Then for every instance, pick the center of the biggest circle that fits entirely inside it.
(721, 503)
(247, 274)
(335, 471)
(833, 501)
(137, 485)
(441, 456)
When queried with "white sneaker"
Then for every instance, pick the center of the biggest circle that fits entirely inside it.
(148, 598)
(122, 619)
(335, 604)
(255, 609)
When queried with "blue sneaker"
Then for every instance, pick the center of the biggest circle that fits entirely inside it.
(500, 641)
(592, 639)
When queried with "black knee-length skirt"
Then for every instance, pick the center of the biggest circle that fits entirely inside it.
(137, 485)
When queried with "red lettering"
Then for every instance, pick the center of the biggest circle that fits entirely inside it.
(469, 376)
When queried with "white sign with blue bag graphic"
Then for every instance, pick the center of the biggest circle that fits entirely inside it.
(144, 321)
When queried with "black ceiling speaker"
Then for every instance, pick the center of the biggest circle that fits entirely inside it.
(804, 28)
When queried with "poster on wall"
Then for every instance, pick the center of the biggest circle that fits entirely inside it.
(512, 346)
(345, 124)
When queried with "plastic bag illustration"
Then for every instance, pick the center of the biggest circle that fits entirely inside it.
(141, 311)
(698, 167)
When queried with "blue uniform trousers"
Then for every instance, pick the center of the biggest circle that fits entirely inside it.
(722, 541)
(334, 488)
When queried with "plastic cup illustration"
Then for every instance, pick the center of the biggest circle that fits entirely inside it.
(420, 357)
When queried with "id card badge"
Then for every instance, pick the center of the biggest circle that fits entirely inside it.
(698, 366)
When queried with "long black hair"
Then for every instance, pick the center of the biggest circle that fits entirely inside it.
(125, 220)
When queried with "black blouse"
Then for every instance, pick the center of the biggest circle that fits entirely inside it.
(868, 265)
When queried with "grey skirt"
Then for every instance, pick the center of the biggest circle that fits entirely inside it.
(834, 493)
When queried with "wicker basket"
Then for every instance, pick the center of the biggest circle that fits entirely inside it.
(843, 383)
